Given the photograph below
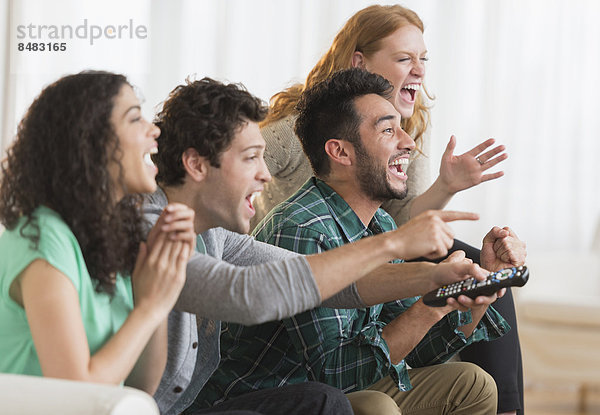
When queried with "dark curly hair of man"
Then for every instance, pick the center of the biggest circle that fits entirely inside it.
(204, 115)
(60, 159)
(327, 111)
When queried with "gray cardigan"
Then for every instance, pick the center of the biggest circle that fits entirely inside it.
(239, 280)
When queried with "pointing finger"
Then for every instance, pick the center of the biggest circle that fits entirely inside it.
(452, 215)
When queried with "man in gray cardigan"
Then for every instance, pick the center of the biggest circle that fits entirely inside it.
(210, 158)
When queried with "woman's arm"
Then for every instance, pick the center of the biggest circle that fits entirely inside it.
(53, 311)
(175, 229)
(148, 369)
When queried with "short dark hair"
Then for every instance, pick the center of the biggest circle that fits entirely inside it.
(327, 111)
(203, 115)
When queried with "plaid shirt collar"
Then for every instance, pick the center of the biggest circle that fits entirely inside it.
(349, 223)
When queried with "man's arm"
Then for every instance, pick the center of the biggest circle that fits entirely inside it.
(409, 279)
(244, 250)
(247, 295)
(424, 335)
(427, 235)
(502, 249)
(285, 286)
(387, 282)
(454, 332)
(407, 330)
(435, 334)
(216, 289)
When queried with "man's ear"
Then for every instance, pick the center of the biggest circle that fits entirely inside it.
(194, 164)
(358, 60)
(340, 151)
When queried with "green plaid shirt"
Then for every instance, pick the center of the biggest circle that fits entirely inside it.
(340, 347)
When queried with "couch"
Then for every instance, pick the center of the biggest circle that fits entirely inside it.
(25, 395)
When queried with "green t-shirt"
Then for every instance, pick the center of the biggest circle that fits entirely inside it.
(102, 314)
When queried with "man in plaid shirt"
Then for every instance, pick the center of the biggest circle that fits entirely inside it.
(353, 139)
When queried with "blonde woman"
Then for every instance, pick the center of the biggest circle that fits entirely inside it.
(388, 40)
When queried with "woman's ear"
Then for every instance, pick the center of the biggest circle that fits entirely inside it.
(194, 164)
(358, 60)
(339, 151)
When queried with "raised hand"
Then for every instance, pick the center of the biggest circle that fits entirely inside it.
(159, 273)
(502, 249)
(178, 221)
(428, 234)
(467, 170)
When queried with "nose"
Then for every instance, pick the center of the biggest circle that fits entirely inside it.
(418, 68)
(263, 173)
(405, 141)
(153, 131)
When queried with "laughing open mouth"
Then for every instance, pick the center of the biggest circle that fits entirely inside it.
(250, 199)
(148, 156)
(409, 91)
(398, 166)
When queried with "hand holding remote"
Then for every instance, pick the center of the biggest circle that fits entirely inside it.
(507, 277)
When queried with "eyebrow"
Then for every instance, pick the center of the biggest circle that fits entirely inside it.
(409, 52)
(133, 107)
(259, 146)
(384, 118)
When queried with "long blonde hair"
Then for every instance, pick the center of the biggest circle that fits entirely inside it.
(363, 32)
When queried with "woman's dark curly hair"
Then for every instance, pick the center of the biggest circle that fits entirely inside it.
(204, 115)
(60, 159)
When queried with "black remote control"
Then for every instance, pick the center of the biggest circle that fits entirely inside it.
(507, 277)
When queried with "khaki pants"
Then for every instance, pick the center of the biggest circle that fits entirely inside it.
(456, 388)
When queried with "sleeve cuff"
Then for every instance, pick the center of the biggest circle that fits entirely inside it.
(371, 335)
(455, 320)
(491, 326)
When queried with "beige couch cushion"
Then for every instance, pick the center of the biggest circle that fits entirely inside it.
(23, 395)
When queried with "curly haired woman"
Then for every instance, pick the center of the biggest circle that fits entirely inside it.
(82, 296)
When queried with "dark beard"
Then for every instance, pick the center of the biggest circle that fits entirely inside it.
(372, 178)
